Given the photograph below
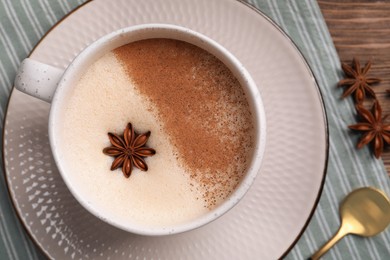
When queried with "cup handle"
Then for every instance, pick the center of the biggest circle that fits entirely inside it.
(37, 79)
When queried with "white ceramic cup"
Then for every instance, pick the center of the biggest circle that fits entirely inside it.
(54, 85)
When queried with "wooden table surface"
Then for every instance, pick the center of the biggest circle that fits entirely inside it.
(361, 28)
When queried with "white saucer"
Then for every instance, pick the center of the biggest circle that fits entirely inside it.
(269, 220)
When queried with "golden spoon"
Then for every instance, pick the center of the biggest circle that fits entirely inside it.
(364, 212)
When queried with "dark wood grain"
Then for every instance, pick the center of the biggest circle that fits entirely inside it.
(362, 29)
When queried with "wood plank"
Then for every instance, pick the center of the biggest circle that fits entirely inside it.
(361, 28)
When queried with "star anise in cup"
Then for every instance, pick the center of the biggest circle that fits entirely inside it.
(357, 81)
(129, 150)
(374, 128)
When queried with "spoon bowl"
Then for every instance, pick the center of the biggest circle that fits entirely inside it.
(364, 212)
(367, 211)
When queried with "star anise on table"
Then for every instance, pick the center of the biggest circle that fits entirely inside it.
(374, 127)
(129, 150)
(357, 81)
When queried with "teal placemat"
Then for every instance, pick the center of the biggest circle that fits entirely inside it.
(24, 22)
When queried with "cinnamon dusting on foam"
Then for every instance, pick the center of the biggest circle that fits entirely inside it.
(202, 108)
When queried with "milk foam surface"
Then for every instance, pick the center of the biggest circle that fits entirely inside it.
(105, 100)
(202, 106)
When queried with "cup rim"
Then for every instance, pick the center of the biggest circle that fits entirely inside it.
(257, 108)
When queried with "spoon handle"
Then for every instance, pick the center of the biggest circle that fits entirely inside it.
(339, 235)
